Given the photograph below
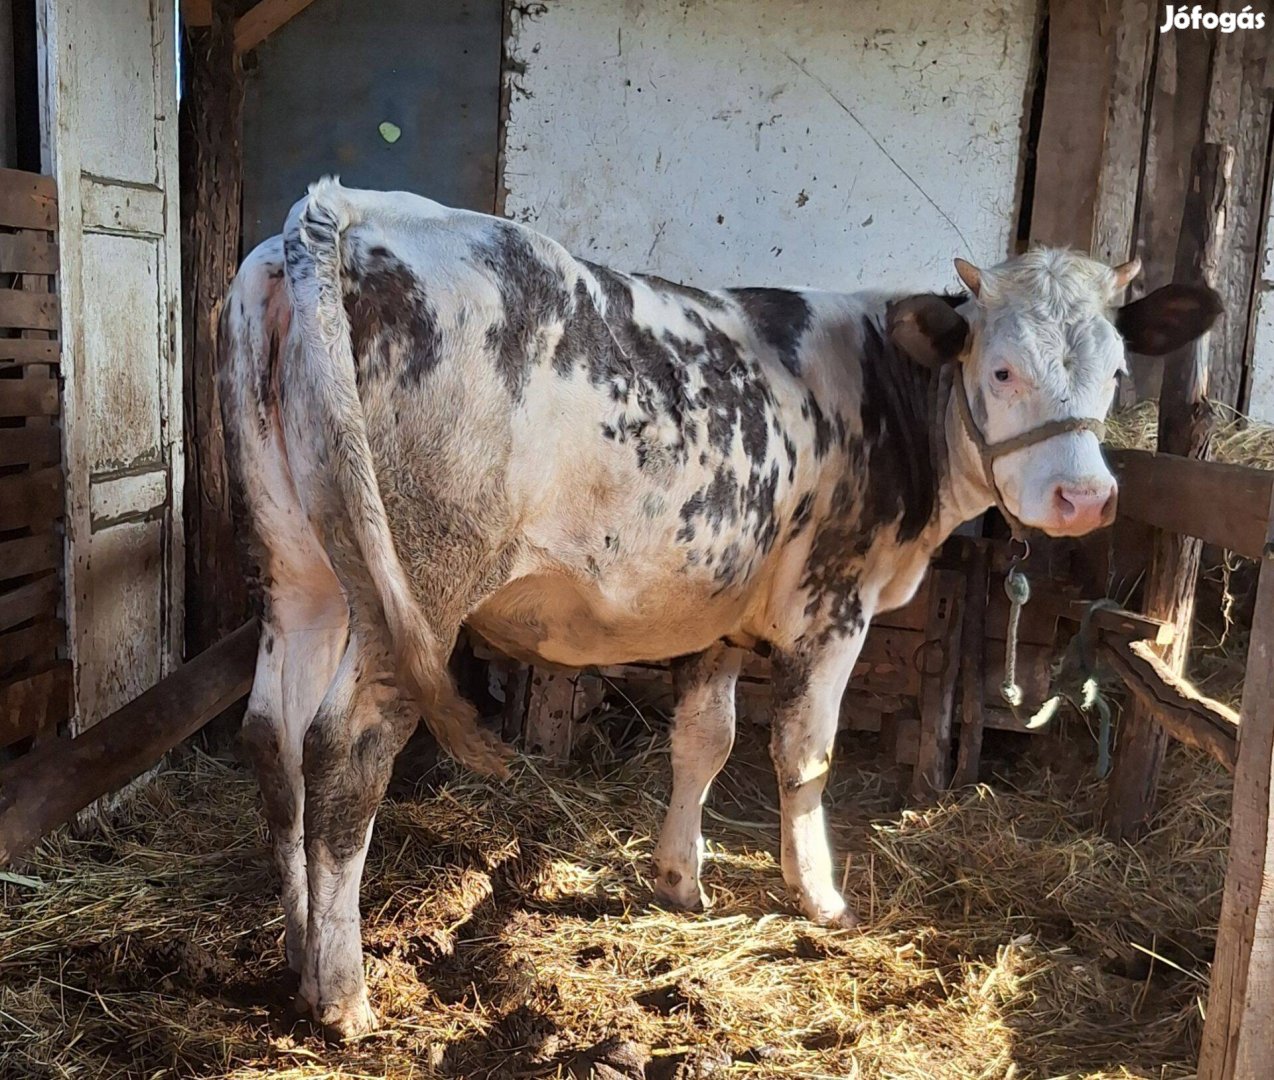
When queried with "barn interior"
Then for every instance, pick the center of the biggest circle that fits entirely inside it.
(1084, 900)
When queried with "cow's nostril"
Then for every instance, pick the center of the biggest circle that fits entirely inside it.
(1063, 505)
(1109, 507)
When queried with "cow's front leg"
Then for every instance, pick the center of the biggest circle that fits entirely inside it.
(349, 753)
(702, 736)
(809, 682)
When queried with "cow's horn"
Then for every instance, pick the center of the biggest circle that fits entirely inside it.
(1125, 272)
(970, 275)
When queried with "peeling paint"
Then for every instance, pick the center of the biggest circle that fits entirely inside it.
(744, 141)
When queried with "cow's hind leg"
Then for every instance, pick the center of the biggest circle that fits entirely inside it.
(302, 637)
(349, 753)
(702, 736)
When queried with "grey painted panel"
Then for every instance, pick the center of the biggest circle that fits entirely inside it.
(320, 87)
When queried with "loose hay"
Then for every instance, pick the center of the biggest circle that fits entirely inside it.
(509, 933)
(1236, 439)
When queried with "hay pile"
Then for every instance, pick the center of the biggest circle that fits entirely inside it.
(1236, 440)
(509, 933)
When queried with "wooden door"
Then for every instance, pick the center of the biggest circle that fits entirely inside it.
(109, 101)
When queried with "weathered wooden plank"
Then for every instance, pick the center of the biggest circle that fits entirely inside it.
(28, 397)
(47, 787)
(31, 601)
(27, 200)
(1135, 27)
(1177, 108)
(1238, 115)
(1218, 503)
(30, 446)
(23, 310)
(1239, 1030)
(1186, 715)
(212, 182)
(940, 668)
(550, 714)
(29, 555)
(33, 704)
(30, 499)
(972, 661)
(29, 351)
(1072, 128)
(27, 253)
(34, 645)
(263, 19)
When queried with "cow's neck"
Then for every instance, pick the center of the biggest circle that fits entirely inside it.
(963, 490)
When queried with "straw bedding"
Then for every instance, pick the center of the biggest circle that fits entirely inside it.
(509, 931)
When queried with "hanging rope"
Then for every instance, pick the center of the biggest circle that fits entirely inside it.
(1075, 678)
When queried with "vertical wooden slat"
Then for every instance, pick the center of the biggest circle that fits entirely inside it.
(1072, 128)
(1178, 106)
(1135, 26)
(1238, 1034)
(1184, 429)
(972, 661)
(550, 714)
(940, 667)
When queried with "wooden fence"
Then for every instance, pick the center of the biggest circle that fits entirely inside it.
(34, 680)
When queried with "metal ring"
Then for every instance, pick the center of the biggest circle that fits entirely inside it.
(917, 661)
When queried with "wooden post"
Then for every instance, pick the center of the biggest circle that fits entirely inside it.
(550, 714)
(1238, 1035)
(1184, 429)
(939, 661)
(972, 661)
(211, 183)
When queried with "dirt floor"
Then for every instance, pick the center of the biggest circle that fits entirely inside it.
(510, 933)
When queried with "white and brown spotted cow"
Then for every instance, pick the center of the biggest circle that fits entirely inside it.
(438, 418)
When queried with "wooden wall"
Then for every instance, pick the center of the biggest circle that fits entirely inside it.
(34, 682)
(1124, 109)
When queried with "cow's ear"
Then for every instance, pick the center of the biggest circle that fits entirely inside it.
(1168, 318)
(927, 328)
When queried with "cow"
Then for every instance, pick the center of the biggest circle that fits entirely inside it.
(439, 419)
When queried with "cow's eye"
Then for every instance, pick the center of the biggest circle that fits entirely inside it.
(1002, 375)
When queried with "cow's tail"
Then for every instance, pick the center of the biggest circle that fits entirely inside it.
(312, 250)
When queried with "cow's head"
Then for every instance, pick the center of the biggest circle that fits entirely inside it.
(1039, 341)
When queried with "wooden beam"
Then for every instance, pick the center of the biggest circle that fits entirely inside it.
(1238, 1033)
(210, 135)
(1218, 503)
(196, 13)
(1186, 715)
(262, 20)
(49, 786)
(1184, 429)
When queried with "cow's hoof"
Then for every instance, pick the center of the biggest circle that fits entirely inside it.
(831, 912)
(681, 891)
(344, 1020)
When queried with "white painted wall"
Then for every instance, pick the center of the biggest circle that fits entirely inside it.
(833, 143)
